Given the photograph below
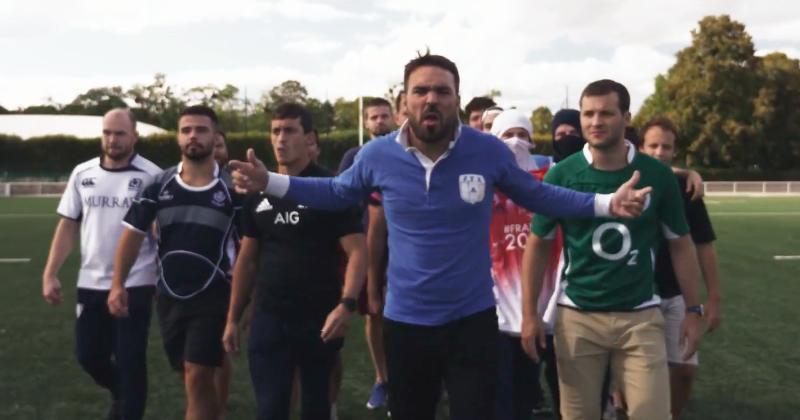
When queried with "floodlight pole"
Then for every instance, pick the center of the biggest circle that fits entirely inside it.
(360, 120)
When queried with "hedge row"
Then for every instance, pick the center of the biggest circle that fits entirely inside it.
(53, 157)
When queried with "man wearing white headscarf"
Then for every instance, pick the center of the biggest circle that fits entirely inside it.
(518, 389)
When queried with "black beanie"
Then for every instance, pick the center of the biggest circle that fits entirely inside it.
(566, 116)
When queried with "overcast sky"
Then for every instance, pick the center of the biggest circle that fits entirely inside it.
(532, 51)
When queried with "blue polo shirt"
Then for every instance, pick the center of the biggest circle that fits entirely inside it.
(438, 216)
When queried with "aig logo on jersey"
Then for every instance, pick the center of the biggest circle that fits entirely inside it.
(472, 188)
(286, 217)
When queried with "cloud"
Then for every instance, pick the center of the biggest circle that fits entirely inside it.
(531, 50)
(311, 44)
(134, 17)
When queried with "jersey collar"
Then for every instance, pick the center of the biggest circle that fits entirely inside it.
(402, 137)
(216, 169)
(631, 153)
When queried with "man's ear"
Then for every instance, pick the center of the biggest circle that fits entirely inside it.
(627, 117)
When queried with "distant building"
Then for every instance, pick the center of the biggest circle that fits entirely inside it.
(82, 126)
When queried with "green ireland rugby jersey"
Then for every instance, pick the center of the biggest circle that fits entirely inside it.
(610, 261)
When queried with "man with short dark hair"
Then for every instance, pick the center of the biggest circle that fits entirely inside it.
(608, 309)
(378, 117)
(98, 194)
(400, 113)
(659, 140)
(488, 116)
(290, 253)
(195, 209)
(474, 111)
(221, 149)
(377, 121)
(437, 180)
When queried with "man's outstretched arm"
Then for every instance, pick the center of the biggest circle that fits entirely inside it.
(337, 193)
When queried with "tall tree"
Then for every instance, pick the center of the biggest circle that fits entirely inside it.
(157, 102)
(710, 91)
(288, 91)
(345, 114)
(776, 115)
(542, 119)
(96, 101)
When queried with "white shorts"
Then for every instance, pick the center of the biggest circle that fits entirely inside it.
(674, 310)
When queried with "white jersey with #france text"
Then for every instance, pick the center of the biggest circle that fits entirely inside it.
(98, 198)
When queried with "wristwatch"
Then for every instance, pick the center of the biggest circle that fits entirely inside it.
(349, 303)
(697, 309)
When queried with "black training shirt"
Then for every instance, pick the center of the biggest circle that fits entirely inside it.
(702, 233)
(299, 252)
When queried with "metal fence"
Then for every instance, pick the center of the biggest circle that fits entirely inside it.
(777, 188)
(765, 188)
(42, 189)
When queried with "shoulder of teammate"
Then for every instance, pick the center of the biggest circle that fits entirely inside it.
(86, 165)
(145, 165)
(348, 158)
(164, 176)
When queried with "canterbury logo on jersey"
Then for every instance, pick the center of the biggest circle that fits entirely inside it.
(87, 182)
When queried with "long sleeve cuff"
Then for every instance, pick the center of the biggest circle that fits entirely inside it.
(278, 185)
(602, 204)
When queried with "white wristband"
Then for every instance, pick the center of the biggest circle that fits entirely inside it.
(602, 205)
(278, 185)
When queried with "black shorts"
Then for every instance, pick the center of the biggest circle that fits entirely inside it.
(192, 329)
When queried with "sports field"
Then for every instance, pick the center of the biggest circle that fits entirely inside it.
(750, 369)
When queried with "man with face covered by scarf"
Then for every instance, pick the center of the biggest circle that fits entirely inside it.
(567, 137)
(518, 393)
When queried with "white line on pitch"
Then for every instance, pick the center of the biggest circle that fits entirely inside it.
(786, 257)
(14, 260)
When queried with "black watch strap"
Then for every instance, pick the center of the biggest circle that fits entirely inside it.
(349, 303)
(697, 309)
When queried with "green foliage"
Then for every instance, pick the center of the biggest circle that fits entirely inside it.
(776, 114)
(732, 109)
(41, 109)
(56, 156)
(345, 114)
(542, 119)
(96, 101)
(493, 93)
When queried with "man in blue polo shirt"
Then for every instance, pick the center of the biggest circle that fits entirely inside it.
(437, 179)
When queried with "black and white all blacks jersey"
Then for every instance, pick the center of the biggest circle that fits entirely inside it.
(99, 198)
(197, 230)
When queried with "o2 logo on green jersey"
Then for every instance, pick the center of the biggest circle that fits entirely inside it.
(623, 252)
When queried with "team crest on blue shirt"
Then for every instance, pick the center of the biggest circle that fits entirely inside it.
(218, 199)
(135, 184)
(472, 188)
